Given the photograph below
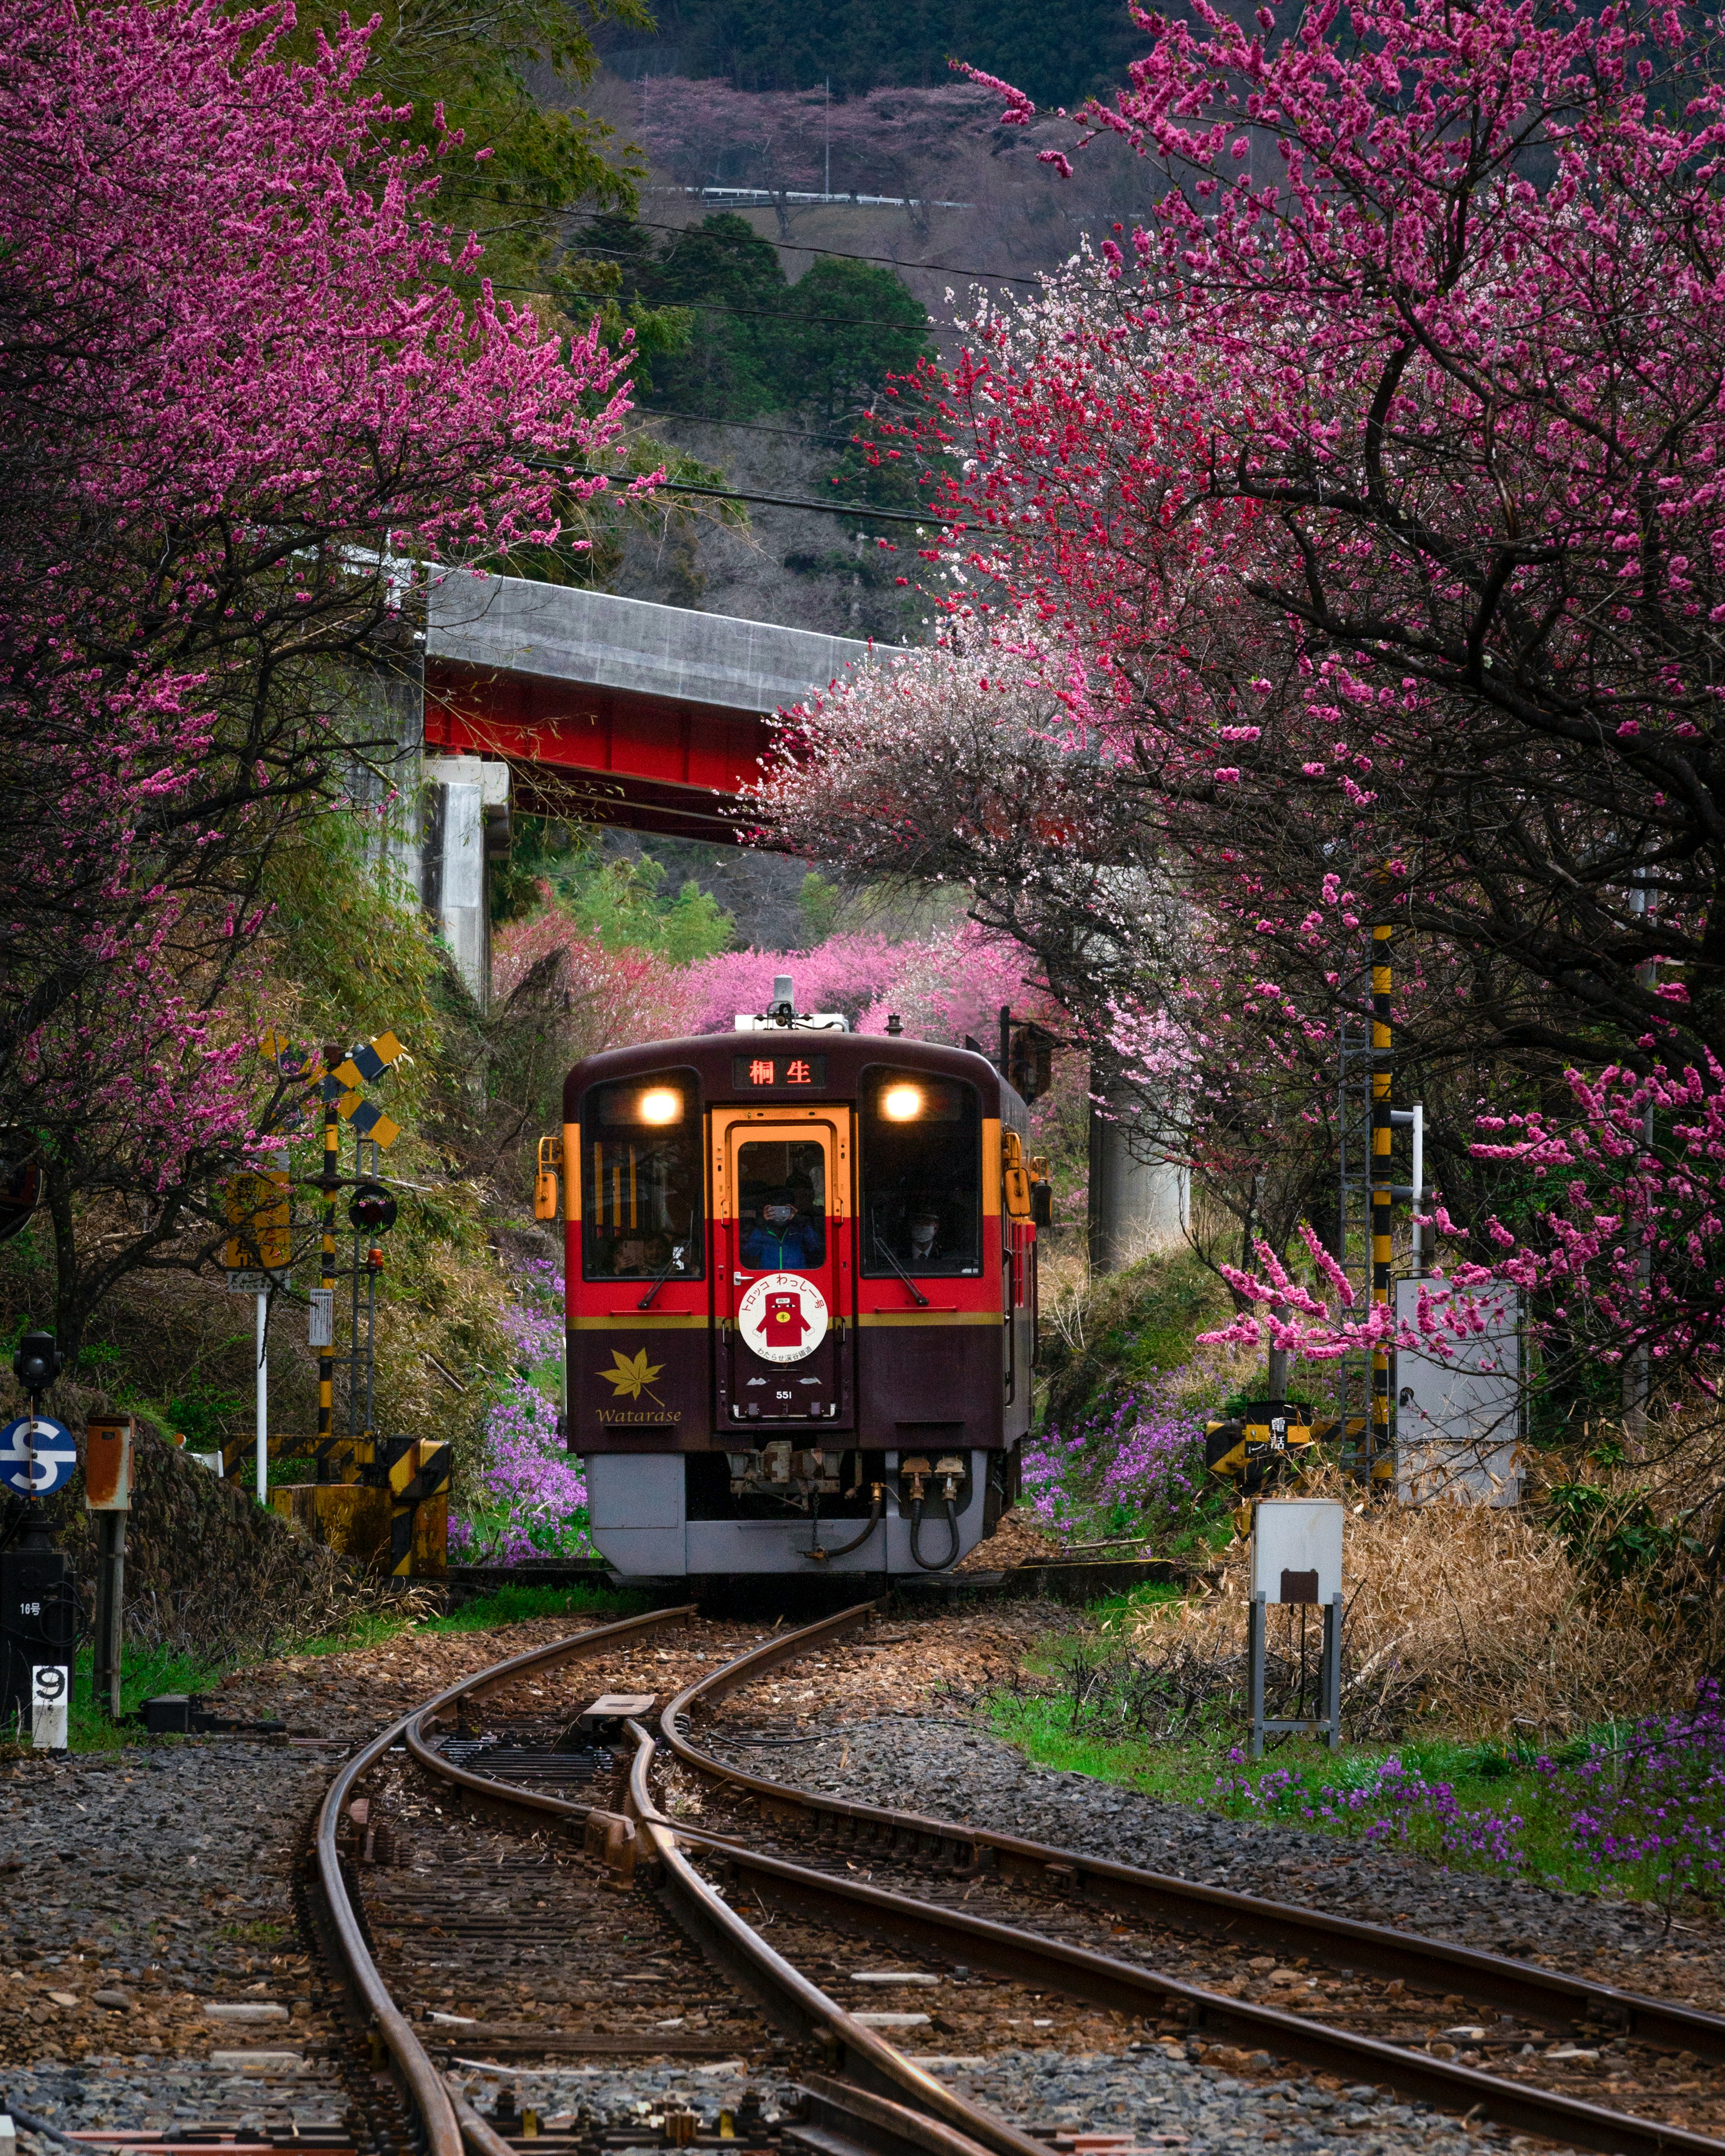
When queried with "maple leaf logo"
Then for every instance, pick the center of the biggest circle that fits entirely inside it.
(632, 1375)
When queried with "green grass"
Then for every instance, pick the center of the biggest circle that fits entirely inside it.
(1207, 1769)
(144, 1672)
(147, 1671)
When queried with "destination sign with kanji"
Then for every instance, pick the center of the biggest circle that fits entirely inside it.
(752, 1073)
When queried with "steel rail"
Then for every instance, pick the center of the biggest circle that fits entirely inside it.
(893, 2107)
(1551, 1995)
(1031, 1958)
(420, 2080)
(1051, 1964)
(952, 2126)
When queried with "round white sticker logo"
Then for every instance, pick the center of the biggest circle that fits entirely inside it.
(782, 1317)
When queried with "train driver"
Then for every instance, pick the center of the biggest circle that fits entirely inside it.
(784, 1238)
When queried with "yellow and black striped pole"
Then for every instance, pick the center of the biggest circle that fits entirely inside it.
(326, 1357)
(1380, 1459)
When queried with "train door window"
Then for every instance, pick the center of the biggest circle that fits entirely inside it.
(641, 1168)
(782, 1205)
(921, 1175)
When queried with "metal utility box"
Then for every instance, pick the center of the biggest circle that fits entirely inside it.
(1297, 1561)
(107, 1464)
(1297, 1549)
(1458, 1416)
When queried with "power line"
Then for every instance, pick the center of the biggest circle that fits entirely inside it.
(843, 254)
(925, 518)
(787, 315)
(789, 246)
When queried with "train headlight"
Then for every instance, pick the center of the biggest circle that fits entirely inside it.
(659, 1106)
(901, 1103)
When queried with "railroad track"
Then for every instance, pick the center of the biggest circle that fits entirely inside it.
(570, 1863)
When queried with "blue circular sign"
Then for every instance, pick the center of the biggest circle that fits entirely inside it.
(37, 1457)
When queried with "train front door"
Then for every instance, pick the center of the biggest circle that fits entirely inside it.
(783, 1215)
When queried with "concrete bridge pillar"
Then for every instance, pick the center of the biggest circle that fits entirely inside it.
(464, 825)
(1136, 1205)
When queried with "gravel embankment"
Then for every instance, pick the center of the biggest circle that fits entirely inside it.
(1162, 2100)
(935, 1766)
(154, 1886)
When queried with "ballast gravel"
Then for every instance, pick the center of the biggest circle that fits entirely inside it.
(151, 1884)
(937, 1766)
(1163, 2101)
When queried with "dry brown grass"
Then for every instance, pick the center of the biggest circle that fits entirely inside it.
(1475, 1623)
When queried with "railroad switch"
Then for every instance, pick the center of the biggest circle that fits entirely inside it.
(610, 1837)
(604, 1717)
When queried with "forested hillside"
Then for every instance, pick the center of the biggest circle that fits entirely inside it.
(1057, 55)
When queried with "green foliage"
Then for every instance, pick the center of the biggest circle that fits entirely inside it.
(624, 906)
(145, 1671)
(1059, 55)
(524, 1605)
(818, 905)
(851, 325)
(879, 465)
(202, 1411)
(359, 959)
(1615, 1535)
(823, 346)
(584, 287)
(622, 903)
(1127, 1327)
(720, 282)
(471, 59)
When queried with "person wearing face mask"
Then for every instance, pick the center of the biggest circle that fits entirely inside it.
(925, 1235)
(783, 1238)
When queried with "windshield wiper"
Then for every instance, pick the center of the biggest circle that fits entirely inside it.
(880, 1245)
(673, 1264)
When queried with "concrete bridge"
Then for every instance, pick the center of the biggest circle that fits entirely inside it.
(553, 701)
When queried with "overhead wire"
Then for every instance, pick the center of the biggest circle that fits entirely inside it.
(838, 254)
(772, 314)
(925, 518)
(802, 247)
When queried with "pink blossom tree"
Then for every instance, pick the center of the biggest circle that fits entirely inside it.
(242, 400)
(1376, 480)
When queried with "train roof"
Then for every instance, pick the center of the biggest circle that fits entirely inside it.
(847, 1055)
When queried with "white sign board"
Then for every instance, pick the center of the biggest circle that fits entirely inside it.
(1458, 1413)
(50, 1696)
(322, 1333)
(1297, 1549)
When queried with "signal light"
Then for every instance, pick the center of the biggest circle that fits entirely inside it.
(37, 1362)
(372, 1208)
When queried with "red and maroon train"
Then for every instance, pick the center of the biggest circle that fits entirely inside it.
(801, 1269)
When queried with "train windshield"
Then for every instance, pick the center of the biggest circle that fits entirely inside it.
(782, 1203)
(641, 1179)
(921, 1174)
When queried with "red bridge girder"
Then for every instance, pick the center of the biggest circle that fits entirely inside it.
(603, 755)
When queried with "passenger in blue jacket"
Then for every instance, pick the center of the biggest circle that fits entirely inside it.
(783, 1239)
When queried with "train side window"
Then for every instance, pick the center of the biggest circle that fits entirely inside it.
(641, 1168)
(921, 1175)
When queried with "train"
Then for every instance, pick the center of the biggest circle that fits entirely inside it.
(801, 1279)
